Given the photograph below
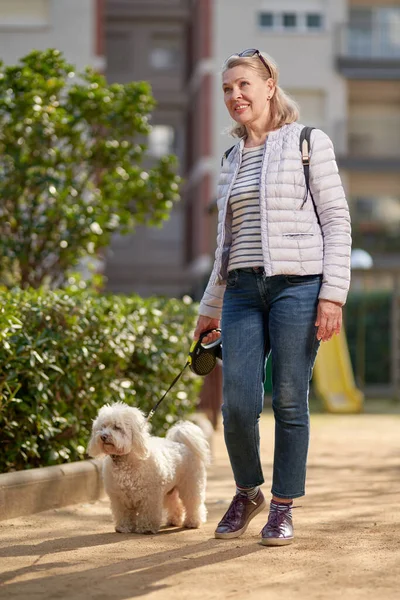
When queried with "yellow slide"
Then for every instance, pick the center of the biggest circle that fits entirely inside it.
(333, 377)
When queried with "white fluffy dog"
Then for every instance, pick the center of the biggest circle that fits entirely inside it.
(144, 474)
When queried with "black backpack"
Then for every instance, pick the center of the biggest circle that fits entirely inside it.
(305, 145)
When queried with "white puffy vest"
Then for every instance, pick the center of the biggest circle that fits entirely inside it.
(294, 240)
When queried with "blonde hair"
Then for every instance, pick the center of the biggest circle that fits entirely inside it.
(283, 108)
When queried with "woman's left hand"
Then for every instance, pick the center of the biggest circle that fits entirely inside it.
(329, 319)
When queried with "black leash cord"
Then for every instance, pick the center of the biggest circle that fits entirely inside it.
(153, 410)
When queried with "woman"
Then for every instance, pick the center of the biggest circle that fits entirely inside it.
(280, 279)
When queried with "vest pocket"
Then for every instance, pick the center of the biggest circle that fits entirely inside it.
(301, 236)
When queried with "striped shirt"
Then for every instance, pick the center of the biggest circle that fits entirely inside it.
(244, 203)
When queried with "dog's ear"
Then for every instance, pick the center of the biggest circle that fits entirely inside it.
(139, 429)
(94, 448)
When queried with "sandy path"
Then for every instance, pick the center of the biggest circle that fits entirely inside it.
(347, 535)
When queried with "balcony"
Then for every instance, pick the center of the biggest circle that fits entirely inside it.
(369, 52)
(369, 143)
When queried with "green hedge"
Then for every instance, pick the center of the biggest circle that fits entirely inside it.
(367, 320)
(64, 355)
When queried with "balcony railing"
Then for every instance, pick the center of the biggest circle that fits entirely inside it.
(369, 140)
(369, 50)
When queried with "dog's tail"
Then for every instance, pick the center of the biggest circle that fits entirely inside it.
(186, 432)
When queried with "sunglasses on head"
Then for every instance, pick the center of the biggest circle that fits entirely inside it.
(249, 53)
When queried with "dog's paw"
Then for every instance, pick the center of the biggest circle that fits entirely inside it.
(124, 529)
(192, 523)
(175, 522)
(146, 530)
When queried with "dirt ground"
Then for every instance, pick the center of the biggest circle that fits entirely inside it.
(347, 543)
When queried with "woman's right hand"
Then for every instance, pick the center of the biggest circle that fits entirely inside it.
(204, 323)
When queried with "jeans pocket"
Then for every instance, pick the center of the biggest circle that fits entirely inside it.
(302, 279)
(231, 281)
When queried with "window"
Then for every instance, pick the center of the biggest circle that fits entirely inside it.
(266, 20)
(161, 140)
(162, 59)
(314, 21)
(165, 54)
(289, 20)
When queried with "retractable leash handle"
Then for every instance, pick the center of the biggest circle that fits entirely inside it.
(207, 332)
(202, 359)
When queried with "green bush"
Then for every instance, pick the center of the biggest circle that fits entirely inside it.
(63, 355)
(367, 317)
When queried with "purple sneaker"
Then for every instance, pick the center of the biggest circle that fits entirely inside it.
(279, 529)
(239, 514)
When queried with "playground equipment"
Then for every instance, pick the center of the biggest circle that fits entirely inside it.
(333, 377)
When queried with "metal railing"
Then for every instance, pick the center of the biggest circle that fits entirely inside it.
(371, 42)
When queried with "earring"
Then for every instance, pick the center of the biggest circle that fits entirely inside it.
(269, 98)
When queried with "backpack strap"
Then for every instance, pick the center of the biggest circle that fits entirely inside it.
(305, 146)
(227, 153)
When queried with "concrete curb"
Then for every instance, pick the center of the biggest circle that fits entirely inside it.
(35, 490)
(31, 491)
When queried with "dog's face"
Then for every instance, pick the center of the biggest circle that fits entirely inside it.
(119, 429)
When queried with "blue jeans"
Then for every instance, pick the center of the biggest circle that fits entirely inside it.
(263, 315)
